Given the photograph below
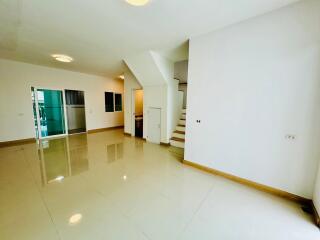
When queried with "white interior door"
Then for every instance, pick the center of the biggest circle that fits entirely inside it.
(154, 125)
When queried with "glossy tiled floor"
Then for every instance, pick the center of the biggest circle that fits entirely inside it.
(107, 186)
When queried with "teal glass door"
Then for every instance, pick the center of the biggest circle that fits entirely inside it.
(50, 115)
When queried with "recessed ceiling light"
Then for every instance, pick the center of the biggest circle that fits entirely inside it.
(62, 58)
(137, 2)
(121, 77)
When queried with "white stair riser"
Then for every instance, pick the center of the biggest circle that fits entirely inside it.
(184, 110)
(178, 128)
(183, 117)
(183, 122)
(177, 144)
(178, 135)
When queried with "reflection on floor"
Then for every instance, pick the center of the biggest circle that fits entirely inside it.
(59, 160)
(108, 186)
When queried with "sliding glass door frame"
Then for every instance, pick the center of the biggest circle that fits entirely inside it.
(38, 113)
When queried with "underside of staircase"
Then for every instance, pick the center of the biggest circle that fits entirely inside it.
(178, 136)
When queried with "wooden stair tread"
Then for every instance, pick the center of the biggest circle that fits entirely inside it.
(177, 139)
(180, 132)
(181, 125)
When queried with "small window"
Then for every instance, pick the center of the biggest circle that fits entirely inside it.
(118, 102)
(74, 97)
(108, 99)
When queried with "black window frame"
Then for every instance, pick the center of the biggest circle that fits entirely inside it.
(109, 101)
(117, 105)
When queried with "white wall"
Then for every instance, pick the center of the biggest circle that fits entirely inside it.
(316, 193)
(16, 114)
(144, 68)
(251, 84)
(156, 97)
(165, 66)
(184, 89)
(130, 83)
(181, 71)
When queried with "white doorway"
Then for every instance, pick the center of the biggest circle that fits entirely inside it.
(137, 113)
(75, 111)
(154, 125)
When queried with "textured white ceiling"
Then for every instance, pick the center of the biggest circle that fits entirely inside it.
(98, 34)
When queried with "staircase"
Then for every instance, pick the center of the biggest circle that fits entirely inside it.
(178, 135)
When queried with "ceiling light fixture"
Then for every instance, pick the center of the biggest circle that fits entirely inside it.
(62, 58)
(121, 77)
(137, 3)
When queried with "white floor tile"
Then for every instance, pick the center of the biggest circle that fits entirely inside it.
(119, 187)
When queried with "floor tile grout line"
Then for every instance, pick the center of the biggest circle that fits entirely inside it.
(197, 210)
(122, 214)
(135, 224)
(41, 196)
